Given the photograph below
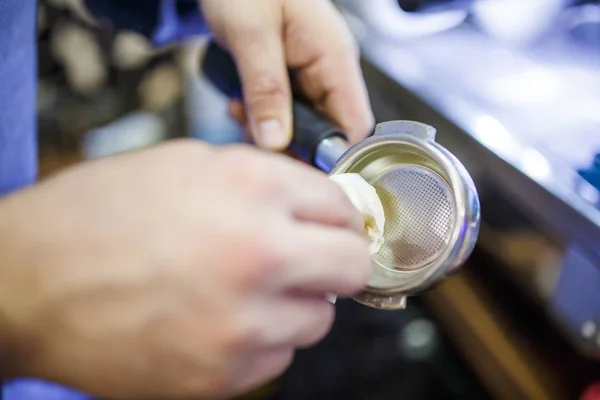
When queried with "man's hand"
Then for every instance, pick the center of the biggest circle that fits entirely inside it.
(176, 272)
(268, 37)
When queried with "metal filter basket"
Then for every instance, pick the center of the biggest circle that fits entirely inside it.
(430, 201)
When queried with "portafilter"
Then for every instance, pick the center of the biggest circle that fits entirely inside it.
(430, 201)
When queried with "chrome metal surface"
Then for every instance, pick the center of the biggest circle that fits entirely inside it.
(523, 119)
(502, 99)
(420, 210)
(431, 207)
(396, 301)
(329, 152)
(416, 129)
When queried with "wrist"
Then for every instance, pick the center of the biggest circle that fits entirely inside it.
(15, 344)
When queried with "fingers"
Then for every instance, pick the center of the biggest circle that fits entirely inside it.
(328, 206)
(322, 49)
(311, 197)
(312, 321)
(268, 37)
(263, 368)
(256, 44)
(299, 191)
(324, 260)
(295, 319)
(288, 322)
(237, 111)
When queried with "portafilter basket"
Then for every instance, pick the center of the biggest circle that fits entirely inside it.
(430, 201)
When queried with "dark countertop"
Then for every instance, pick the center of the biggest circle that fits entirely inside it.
(526, 124)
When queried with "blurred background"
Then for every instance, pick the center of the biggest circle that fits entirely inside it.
(513, 87)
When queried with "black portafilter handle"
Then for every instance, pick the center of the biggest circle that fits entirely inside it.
(310, 128)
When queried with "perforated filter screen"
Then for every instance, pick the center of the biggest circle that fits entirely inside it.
(420, 212)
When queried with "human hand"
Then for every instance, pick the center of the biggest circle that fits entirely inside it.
(267, 38)
(176, 272)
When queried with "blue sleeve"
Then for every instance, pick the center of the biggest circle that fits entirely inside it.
(31, 389)
(162, 21)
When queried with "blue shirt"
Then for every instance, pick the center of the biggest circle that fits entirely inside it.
(161, 20)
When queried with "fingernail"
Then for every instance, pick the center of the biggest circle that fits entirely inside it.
(271, 135)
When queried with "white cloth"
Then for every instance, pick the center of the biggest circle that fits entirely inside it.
(365, 198)
(367, 201)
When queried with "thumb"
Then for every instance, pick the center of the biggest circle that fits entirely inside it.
(260, 59)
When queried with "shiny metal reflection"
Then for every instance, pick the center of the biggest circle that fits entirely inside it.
(431, 205)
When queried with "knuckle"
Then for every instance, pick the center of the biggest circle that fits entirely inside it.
(342, 33)
(267, 189)
(256, 175)
(262, 260)
(253, 167)
(243, 31)
(267, 186)
(238, 339)
(268, 88)
(237, 333)
(346, 44)
(262, 177)
(268, 260)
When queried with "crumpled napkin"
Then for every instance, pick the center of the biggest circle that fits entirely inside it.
(367, 201)
(365, 198)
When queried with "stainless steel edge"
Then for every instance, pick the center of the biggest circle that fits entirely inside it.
(554, 204)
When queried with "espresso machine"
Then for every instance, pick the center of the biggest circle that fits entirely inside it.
(513, 88)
